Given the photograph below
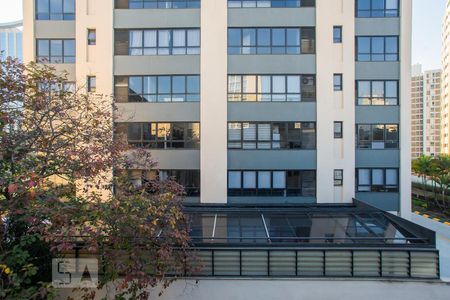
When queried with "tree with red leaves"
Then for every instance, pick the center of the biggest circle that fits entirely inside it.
(58, 155)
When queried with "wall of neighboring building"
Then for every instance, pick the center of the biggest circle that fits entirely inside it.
(11, 40)
(426, 113)
(445, 85)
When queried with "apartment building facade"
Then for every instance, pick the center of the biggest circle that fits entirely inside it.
(445, 89)
(255, 106)
(11, 39)
(256, 102)
(425, 112)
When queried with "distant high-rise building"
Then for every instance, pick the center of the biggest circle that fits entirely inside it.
(425, 112)
(11, 39)
(445, 120)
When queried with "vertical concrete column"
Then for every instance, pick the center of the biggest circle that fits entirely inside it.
(335, 105)
(95, 60)
(29, 44)
(405, 107)
(213, 105)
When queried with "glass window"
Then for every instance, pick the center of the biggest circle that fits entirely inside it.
(377, 92)
(377, 48)
(337, 34)
(275, 40)
(337, 82)
(377, 8)
(234, 179)
(270, 3)
(392, 177)
(279, 180)
(179, 88)
(55, 9)
(338, 177)
(289, 135)
(378, 136)
(161, 4)
(249, 180)
(92, 84)
(292, 183)
(271, 88)
(167, 136)
(338, 130)
(264, 181)
(55, 51)
(92, 37)
(163, 42)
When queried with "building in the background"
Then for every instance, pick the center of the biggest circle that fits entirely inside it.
(445, 86)
(425, 112)
(11, 39)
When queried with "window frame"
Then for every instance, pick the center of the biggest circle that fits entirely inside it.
(371, 54)
(338, 87)
(65, 16)
(260, 96)
(92, 84)
(371, 11)
(92, 36)
(377, 188)
(190, 191)
(285, 192)
(338, 135)
(370, 141)
(63, 56)
(271, 141)
(159, 4)
(285, 5)
(337, 39)
(338, 177)
(271, 46)
(159, 50)
(169, 141)
(194, 97)
(371, 98)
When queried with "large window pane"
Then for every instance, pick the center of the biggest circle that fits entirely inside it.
(264, 180)
(178, 84)
(377, 177)
(263, 37)
(234, 179)
(249, 179)
(279, 84)
(163, 38)
(279, 180)
(193, 38)
(193, 84)
(278, 37)
(234, 37)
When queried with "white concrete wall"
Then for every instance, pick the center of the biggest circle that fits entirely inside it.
(213, 106)
(405, 107)
(335, 106)
(251, 289)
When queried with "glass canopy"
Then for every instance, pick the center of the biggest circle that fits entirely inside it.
(296, 225)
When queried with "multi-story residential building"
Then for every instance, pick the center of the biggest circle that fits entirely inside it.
(445, 86)
(425, 112)
(254, 103)
(11, 39)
